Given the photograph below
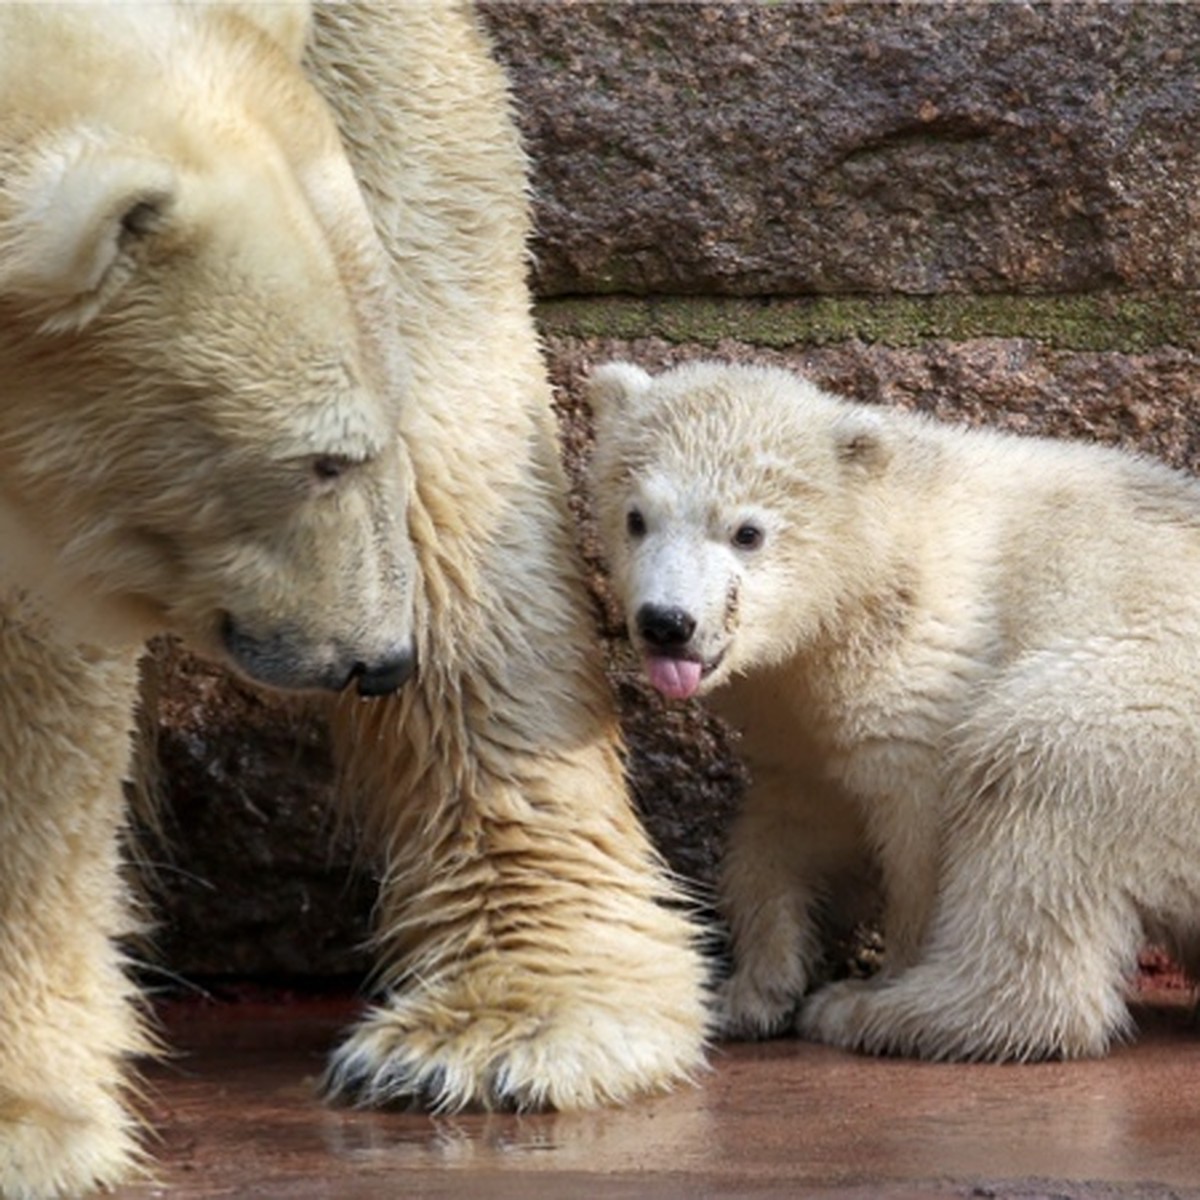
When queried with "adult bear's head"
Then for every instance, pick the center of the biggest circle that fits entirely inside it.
(199, 373)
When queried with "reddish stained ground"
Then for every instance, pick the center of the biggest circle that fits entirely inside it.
(237, 1115)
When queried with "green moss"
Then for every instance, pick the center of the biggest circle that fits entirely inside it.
(1127, 323)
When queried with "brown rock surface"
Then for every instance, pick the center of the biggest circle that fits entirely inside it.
(756, 149)
(251, 873)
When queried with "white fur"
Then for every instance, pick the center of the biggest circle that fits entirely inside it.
(966, 661)
(528, 957)
(193, 315)
(186, 330)
(269, 381)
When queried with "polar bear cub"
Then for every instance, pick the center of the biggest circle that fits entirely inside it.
(965, 660)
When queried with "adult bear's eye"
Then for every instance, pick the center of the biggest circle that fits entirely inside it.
(748, 537)
(635, 523)
(328, 470)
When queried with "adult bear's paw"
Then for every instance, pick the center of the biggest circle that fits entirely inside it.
(454, 1048)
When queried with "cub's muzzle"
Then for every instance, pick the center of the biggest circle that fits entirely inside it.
(663, 627)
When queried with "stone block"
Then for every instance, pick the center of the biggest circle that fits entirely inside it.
(837, 148)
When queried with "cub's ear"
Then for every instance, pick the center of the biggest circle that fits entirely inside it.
(68, 227)
(861, 440)
(613, 387)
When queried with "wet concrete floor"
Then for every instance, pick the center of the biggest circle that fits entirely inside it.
(237, 1115)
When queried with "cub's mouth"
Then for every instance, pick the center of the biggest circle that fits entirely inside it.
(678, 676)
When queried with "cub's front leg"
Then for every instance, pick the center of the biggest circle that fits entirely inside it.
(67, 1021)
(789, 852)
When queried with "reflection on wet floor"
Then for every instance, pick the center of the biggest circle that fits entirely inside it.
(238, 1115)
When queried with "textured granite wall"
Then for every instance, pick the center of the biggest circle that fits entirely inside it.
(784, 149)
(988, 211)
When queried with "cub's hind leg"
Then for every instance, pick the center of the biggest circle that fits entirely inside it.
(1069, 822)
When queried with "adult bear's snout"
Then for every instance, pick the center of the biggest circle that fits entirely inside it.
(287, 659)
(384, 676)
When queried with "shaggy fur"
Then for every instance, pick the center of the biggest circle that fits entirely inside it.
(532, 950)
(967, 659)
(214, 346)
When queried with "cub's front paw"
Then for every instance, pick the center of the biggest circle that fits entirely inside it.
(885, 1015)
(757, 1004)
(838, 1014)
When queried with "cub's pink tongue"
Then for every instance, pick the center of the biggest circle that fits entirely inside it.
(676, 678)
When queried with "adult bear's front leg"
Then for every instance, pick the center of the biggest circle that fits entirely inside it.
(534, 953)
(67, 1020)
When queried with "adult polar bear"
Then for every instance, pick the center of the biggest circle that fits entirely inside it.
(312, 436)
(970, 657)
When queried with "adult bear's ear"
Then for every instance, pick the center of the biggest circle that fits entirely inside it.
(613, 388)
(861, 440)
(69, 225)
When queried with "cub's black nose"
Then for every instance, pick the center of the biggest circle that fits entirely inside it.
(665, 627)
(385, 676)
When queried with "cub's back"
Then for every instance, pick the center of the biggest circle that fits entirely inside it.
(1083, 538)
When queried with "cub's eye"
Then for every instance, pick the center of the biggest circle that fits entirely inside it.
(748, 537)
(635, 523)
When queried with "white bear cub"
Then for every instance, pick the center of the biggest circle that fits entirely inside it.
(962, 662)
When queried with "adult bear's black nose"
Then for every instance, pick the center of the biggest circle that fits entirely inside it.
(665, 627)
(384, 676)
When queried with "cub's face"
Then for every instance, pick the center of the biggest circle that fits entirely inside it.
(727, 502)
(697, 575)
(200, 375)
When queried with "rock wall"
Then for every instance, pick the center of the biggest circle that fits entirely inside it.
(987, 211)
(864, 148)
